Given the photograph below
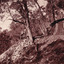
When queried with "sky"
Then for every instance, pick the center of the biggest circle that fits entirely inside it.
(42, 3)
(5, 22)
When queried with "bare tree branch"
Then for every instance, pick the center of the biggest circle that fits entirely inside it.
(27, 20)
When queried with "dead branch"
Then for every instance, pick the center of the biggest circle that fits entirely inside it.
(27, 20)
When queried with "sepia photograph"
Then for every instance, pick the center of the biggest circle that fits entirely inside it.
(31, 31)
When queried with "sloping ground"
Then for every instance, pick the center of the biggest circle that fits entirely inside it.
(51, 54)
(46, 51)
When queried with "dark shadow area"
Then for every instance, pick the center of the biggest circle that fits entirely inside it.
(5, 42)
